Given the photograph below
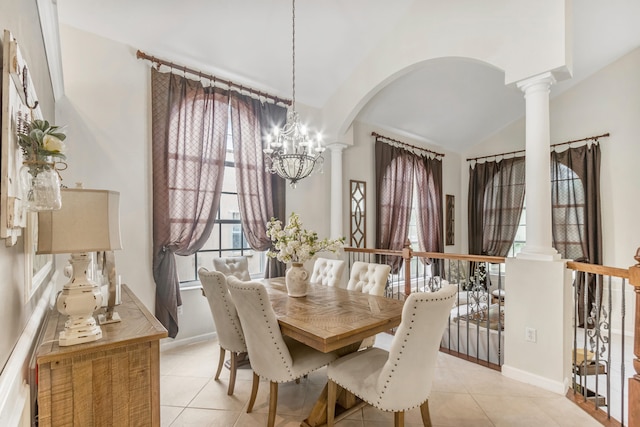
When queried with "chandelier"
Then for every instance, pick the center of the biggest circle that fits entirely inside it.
(290, 152)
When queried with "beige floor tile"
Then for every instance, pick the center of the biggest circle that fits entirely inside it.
(214, 396)
(564, 412)
(179, 391)
(189, 366)
(513, 411)
(168, 414)
(205, 418)
(456, 409)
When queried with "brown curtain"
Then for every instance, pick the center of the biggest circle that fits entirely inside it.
(261, 195)
(188, 148)
(576, 219)
(496, 198)
(430, 221)
(394, 186)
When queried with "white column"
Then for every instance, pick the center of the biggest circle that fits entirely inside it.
(336, 189)
(538, 179)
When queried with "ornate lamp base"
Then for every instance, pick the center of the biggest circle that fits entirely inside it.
(79, 298)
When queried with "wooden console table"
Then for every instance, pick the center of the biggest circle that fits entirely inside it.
(114, 381)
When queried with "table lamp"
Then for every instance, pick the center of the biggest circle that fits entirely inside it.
(87, 222)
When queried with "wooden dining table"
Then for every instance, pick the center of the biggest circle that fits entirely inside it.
(329, 319)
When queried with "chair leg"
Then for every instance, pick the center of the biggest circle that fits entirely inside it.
(273, 403)
(220, 363)
(254, 392)
(426, 417)
(332, 391)
(232, 372)
(398, 419)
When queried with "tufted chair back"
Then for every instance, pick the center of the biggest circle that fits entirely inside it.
(401, 378)
(233, 266)
(414, 349)
(273, 356)
(268, 352)
(223, 310)
(327, 271)
(368, 277)
(225, 317)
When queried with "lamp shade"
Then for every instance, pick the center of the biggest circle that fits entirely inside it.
(89, 221)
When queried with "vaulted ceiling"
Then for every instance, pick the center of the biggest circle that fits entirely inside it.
(249, 41)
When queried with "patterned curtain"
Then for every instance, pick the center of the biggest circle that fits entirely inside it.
(188, 147)
(430, 221)
(261, 195)
(576, 218)
(496, 198)
(394, 187)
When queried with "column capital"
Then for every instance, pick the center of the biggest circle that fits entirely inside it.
(539, 82)
(336, 146)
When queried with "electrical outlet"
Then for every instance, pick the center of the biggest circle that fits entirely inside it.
(530, 334)
(180, 310)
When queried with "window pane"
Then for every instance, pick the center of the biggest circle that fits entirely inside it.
(185, 267)
(229, 183)
(229, 207)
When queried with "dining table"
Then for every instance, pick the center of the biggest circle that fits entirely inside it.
(332, 319)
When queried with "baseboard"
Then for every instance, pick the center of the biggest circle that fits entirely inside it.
(535, 380)
(169, 343)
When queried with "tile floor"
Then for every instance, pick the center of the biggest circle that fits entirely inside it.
(464, 394)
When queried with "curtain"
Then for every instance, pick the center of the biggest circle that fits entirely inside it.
(394, 186)
(261, 195)
(496, 198)
(430, 221)
(576, 219)
(188, 148)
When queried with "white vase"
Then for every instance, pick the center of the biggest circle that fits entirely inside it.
(297, 280)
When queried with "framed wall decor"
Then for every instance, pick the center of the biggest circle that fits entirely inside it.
(19, 105)
(450, 220)
(358, 217)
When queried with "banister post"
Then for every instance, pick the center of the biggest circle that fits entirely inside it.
(407, 254)
(634, 381)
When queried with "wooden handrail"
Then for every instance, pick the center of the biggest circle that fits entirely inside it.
(436, 255)
(598, 269)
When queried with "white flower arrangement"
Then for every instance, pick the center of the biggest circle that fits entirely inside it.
(295, 244)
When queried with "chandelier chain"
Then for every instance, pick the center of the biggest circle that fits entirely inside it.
(293, 55)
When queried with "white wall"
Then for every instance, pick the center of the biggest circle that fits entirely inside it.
(107, 113)
(521, 37)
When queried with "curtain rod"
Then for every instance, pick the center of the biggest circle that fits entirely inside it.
(590, 138)
(378, 136)
(241, 88)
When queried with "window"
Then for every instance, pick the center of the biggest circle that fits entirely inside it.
(227, 237)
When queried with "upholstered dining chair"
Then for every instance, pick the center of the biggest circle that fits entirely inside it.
(237, 266)
(369, 278)
(273, 356)
(327, 272)
(400, 379)
(225, 317)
